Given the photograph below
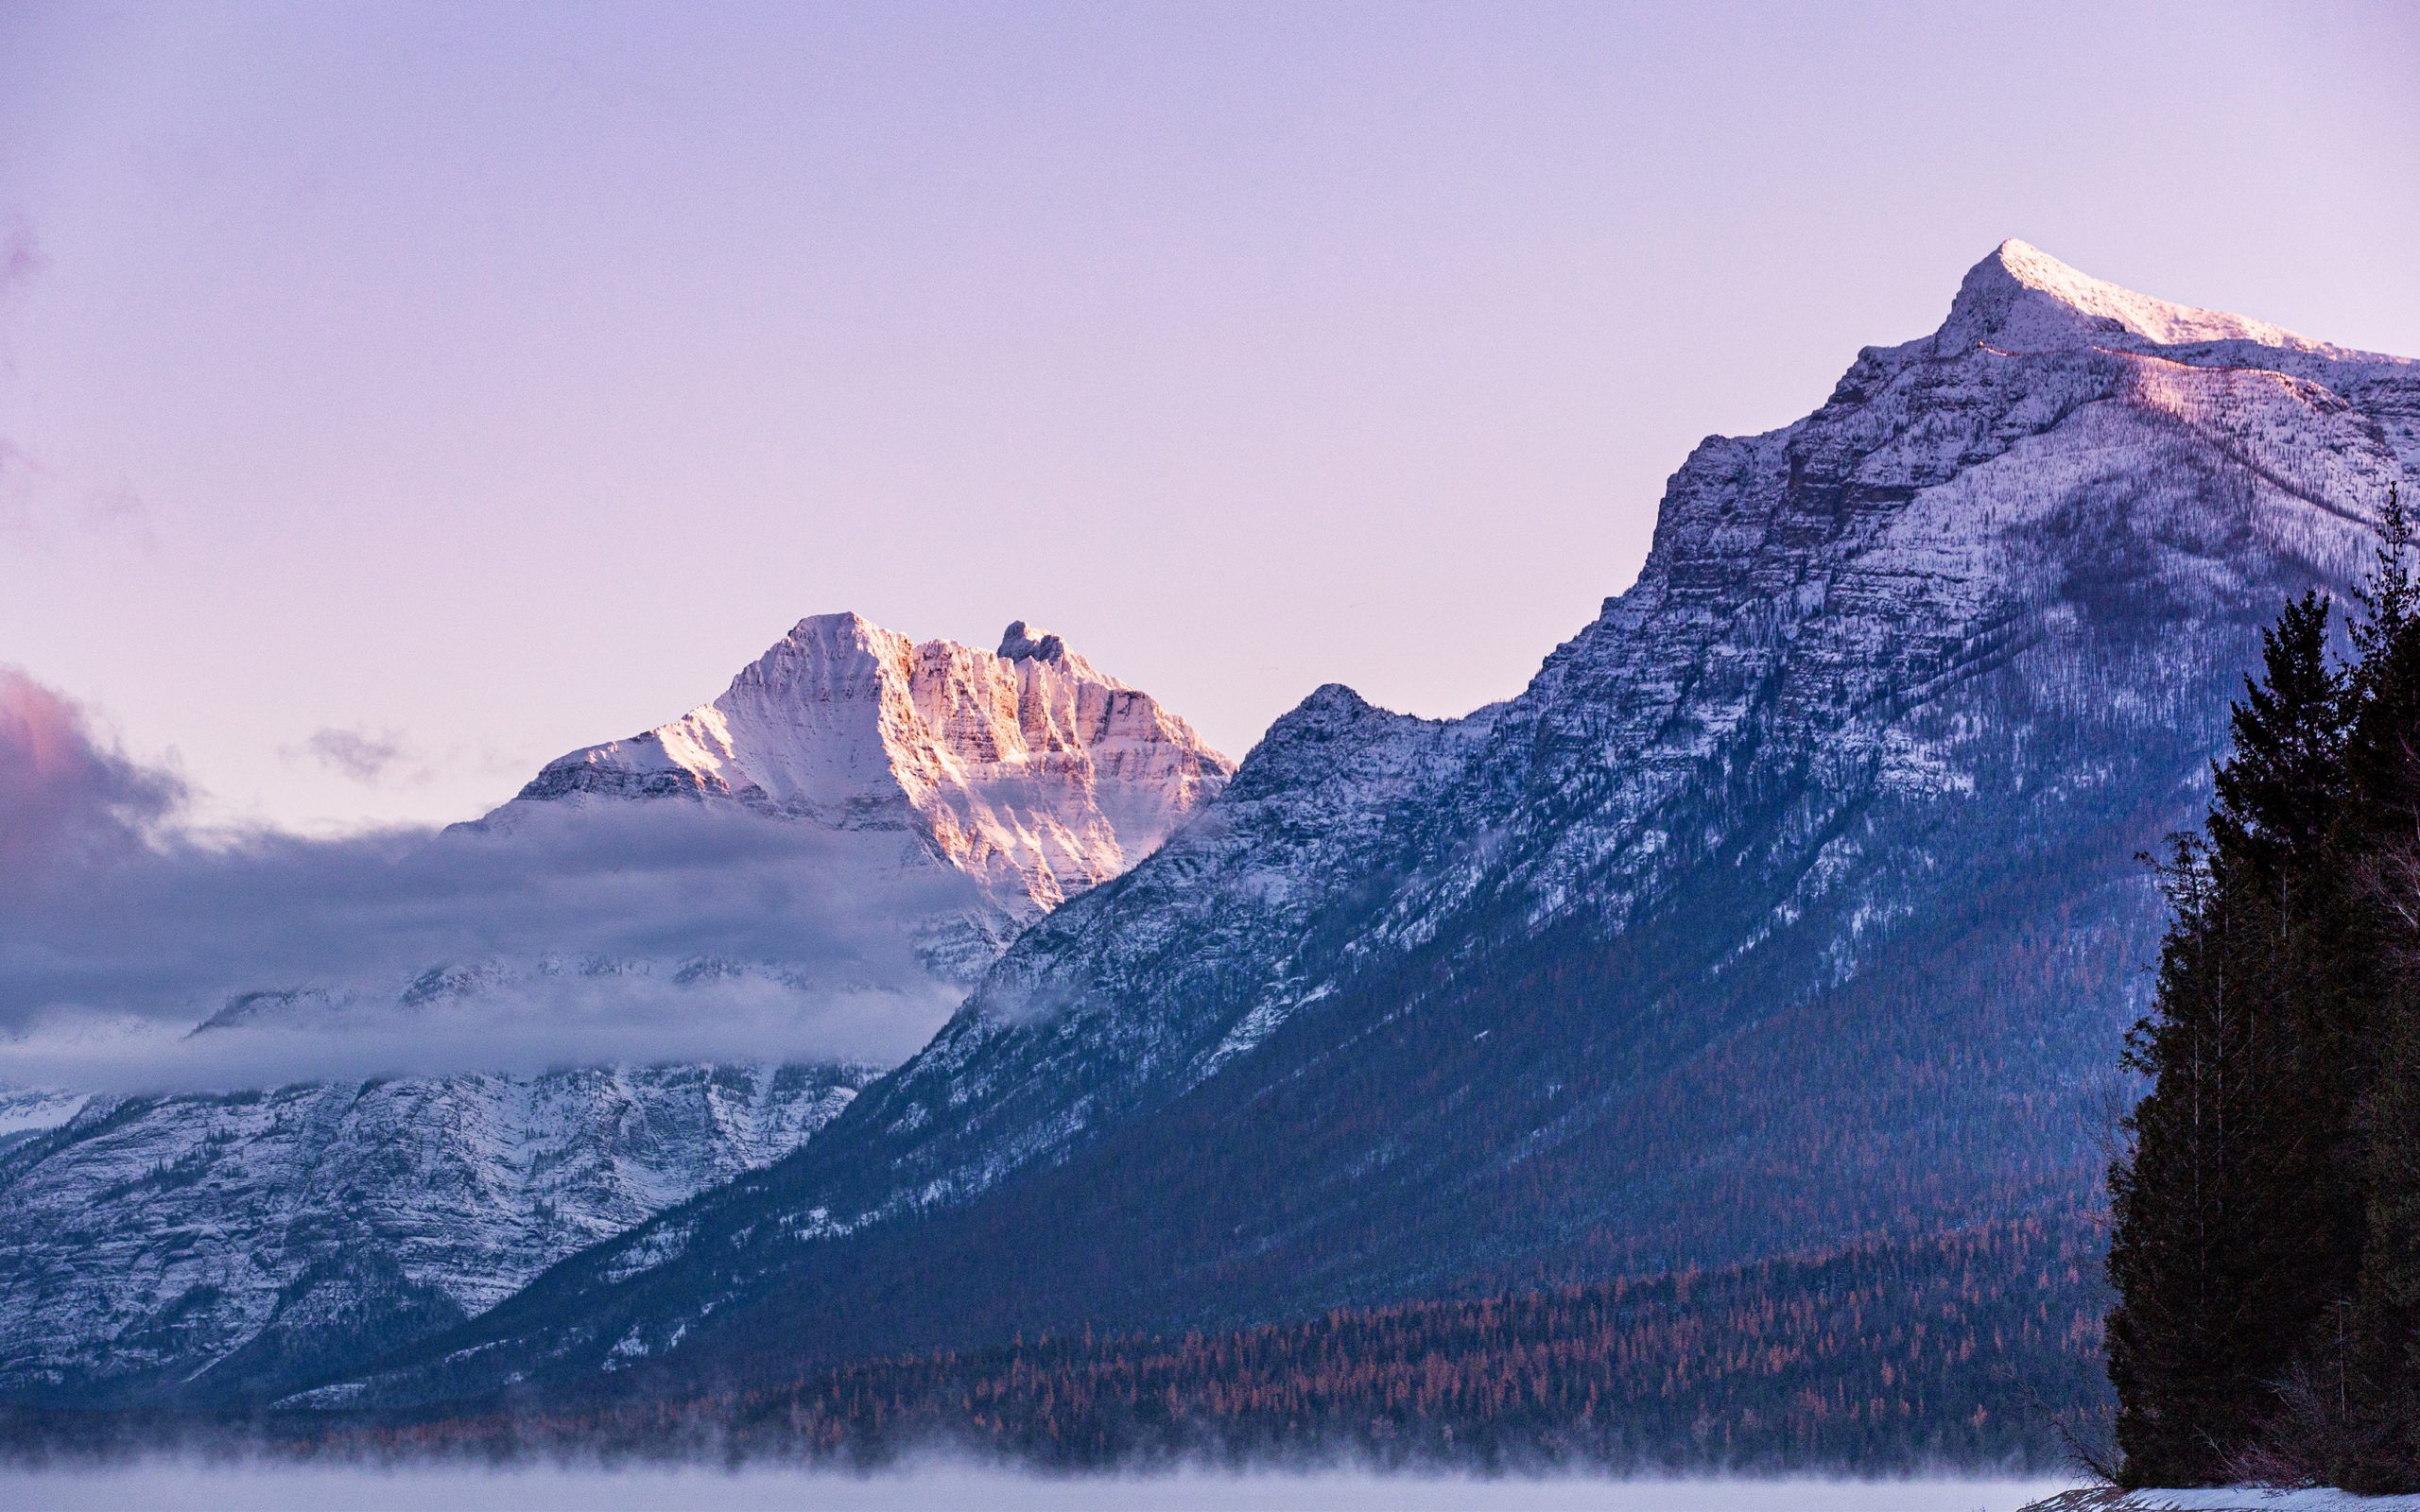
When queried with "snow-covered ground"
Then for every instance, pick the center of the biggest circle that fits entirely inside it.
(2226, 1498)
(174, 1486)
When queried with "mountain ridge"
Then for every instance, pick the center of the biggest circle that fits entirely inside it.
(1839, 794)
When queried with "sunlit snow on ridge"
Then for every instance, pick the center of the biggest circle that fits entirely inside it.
(172, 1486)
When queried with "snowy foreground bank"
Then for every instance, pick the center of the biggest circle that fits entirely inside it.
(170, 1485)
(2224, 1499)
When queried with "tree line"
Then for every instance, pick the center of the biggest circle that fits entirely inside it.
(1957, 1349)
(2265, 1247)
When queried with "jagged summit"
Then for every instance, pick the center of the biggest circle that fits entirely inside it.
(847, 620)
(1026, 769)
(1018, 644)
(2020, 297)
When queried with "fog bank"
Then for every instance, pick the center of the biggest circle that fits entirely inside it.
(609, 932)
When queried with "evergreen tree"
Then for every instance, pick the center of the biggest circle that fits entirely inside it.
(2287, 906)
(2378, 1029)
(2389, 598)
(2267, 1242)
(2221, 1288)
(2278, 793)
(2171, 1355)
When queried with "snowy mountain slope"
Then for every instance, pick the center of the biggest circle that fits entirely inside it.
(1791, 901)
(27, 1112)
(214, 1247)
(161, 1241)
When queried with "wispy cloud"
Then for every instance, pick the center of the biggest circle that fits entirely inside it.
(21, 259)
(115, 508)
(18, 480)
(37, 504)
(368, 757)
(21, 263)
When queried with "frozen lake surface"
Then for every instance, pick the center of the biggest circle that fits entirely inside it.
(174, 1486)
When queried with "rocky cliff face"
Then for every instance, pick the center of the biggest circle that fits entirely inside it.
(1791, 903)
(224, 1247)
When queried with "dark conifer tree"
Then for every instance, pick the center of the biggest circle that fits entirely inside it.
(2287, 903)
(2220, 1289)
(2379, 1030)
(2389, 598)
(2267, 1248)
(2278, 793)
(2170, 1353)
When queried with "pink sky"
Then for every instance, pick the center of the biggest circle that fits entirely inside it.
(475, 389)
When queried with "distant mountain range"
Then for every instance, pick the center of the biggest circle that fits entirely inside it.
(209, 1247)
(1791, 910)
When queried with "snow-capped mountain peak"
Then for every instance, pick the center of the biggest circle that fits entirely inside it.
(1026, 769)
(2020, 297)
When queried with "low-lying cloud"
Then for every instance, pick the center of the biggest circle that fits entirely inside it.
(520, 1031)
(665, 930)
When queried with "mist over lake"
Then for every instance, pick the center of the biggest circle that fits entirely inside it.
(178, 1486)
